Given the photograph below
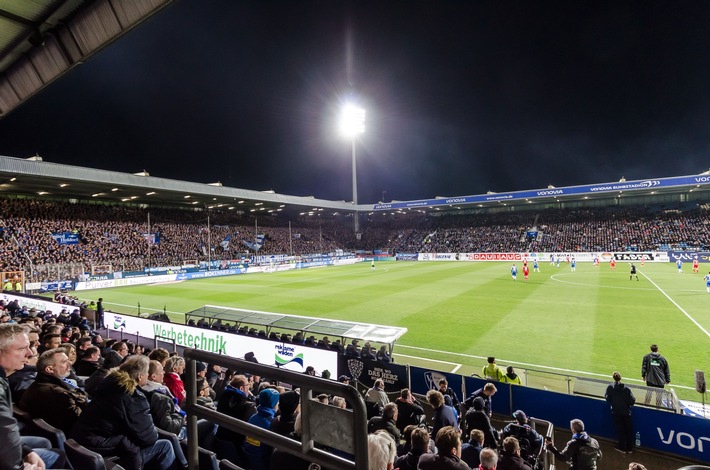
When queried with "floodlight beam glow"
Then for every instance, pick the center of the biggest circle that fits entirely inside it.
(352, 121)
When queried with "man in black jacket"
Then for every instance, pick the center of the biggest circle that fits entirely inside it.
(582, 452)
(621, 400)
(388, 422)
(235, 402)
(408, 410)
(50, 397)
(118, 420)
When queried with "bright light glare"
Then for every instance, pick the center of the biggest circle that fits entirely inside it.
(352, 121)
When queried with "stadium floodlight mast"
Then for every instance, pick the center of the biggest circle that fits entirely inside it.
(352, 124)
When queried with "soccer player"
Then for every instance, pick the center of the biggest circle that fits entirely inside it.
(695, 264)
(707, 282)
(633, 272)
(526, 271)
(596, 261)
(612, 264)
(514, 272)
(552, 259)
(679, 265)
(559, 259)
(573, 264)
(536, 268)
(373, 264)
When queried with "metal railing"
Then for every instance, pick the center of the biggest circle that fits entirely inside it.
(165, 339)
(344, 430)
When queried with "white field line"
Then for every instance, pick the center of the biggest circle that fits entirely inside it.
(525, 364)
(677, 306)
(458, 366)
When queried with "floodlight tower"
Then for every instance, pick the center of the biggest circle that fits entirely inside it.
(352, 124)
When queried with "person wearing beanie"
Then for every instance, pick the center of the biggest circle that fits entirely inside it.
(259, 454)
(511, 377)
(289, 406)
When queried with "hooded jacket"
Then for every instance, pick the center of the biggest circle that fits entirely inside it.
(117, 421)
(620, 398)
(654, 368)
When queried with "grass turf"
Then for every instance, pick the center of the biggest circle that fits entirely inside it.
(587, 323)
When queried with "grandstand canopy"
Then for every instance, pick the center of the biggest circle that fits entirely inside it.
(36, 178)
(40, 40)
(308, 325)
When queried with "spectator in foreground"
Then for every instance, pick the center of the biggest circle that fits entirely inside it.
(259, 453)
(408, 410)
(476, 418)
(443, 416)
(419, 446)
(471, 451)
(377, 394)
(381, 450)
(14, 354)
(489, 459)
(387, 421)
(118, 420)
(174, 367)
(236, 403)
(50, 397)
(510, 458)
(621, 399)
(582, 452)
(448, 444)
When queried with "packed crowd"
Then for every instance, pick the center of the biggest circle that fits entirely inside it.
(115, 235)
(124, 401)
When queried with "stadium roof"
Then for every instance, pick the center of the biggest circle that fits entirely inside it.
(36, 178)
(308, 325)
(40, 40)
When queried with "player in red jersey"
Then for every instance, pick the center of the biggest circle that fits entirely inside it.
(695, 264)
(612, 264)
(526, 271)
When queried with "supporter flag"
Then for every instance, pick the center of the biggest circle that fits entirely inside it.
(225, 243)
(256, 244)
(151, 238)
(203, 248)
(66, 238)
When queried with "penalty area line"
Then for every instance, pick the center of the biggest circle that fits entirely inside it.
(677, 306)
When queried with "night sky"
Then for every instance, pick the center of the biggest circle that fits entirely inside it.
(462, 97)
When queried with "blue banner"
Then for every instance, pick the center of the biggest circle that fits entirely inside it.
(656, 184)
(57, 285)
(66, 238)
(689, 256)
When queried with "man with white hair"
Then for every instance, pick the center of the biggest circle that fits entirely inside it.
(582, 452)
(381, 450)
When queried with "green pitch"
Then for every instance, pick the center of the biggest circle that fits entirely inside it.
(585, 323)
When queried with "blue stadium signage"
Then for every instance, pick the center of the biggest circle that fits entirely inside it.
(679, 181)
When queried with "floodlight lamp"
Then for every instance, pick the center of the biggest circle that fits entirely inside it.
(352, 121)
